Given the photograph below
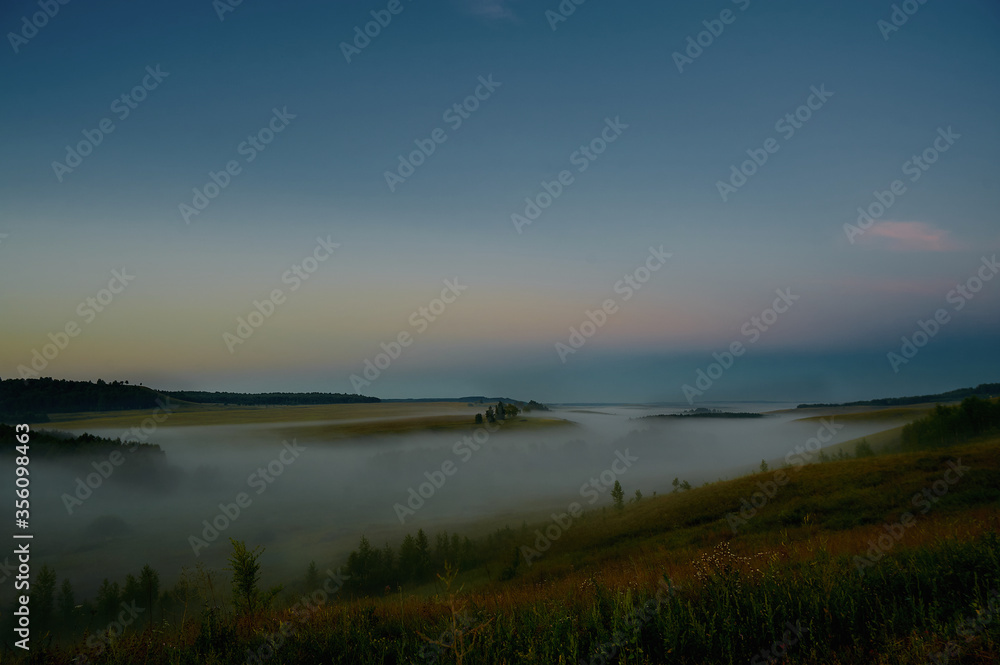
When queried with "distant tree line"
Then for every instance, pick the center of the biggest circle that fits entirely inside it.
(702, 412)
(142, 466)
(44, 443)
(947, 425)
(31, 400)
(264, 399)
(55, 608)
(982, 390)
(140, 601)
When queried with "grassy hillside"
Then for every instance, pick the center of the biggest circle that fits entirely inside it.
(886, 559)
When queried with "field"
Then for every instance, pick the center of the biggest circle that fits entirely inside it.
(310, 422)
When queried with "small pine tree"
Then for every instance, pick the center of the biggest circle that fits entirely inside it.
(479, 419)
(66, 602)
(455, 548)
(149, 583)
(108, 599)
(676, 484)
(132, 592)
(423, 555)
(763, 466)
(442, 550)
(638, 496)
(312, 576)
(389, 572)
(618, 495)
(409, 559)
(245, 567)
(43, 596)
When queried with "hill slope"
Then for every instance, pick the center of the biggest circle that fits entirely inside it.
(887, 559)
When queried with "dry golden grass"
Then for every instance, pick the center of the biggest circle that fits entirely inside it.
(868, 413)
(458, 424)
(356, 419)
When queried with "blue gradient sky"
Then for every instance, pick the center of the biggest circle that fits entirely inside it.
(323, 176)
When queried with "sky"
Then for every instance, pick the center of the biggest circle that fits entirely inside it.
(603, 202)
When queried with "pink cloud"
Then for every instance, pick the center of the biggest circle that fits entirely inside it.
(909, 237)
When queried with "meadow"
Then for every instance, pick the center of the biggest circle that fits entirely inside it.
(892, 558)
(315, 422)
